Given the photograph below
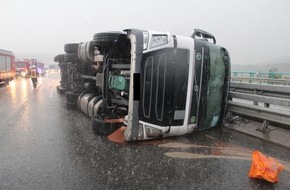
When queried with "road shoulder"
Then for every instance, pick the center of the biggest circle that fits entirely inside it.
(278, 136)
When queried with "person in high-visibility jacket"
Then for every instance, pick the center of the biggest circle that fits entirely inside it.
(33, 74)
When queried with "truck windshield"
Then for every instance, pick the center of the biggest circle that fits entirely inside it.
(215, 87)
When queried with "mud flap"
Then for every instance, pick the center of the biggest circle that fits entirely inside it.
(118, 135)
(107, 126)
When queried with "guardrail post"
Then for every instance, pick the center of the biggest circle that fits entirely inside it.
(265, 127)
(229, 115)
(251, 76)
(255, 92)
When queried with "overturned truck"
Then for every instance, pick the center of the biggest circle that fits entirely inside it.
(152, 84)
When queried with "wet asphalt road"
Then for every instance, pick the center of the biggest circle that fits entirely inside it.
(45, 146)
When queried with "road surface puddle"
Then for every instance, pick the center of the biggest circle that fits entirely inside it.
(193, 151)
(189, 155)
(207, 151)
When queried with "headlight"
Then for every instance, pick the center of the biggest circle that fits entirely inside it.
(158, 40)
(153, 132)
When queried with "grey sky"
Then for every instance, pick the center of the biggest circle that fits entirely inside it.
(254, 31)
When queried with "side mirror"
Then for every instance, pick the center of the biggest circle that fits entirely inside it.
(203, 35)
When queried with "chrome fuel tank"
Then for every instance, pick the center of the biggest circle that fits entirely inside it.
(89, 103)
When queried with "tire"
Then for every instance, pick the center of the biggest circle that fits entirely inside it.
(71, 48)
(71, 97)
(71, 57)
(59, 58)
(71, 106)
(107, 38)
(86, 52)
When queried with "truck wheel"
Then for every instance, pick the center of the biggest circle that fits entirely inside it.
(6, 81)
(71, 48)
(71, 105)
(107, 38)
(71, 97)
(59, 58)
(71, 57)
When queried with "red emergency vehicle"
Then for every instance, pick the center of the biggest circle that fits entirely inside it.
(7, 67)
(23, 68)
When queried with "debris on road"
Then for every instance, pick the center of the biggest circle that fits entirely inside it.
(265, 167)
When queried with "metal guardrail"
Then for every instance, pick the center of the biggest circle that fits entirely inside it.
(261, 89)
(261, 80)
(270, 74)
(246, 99)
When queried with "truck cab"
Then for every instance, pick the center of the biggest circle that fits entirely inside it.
(153, 84)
